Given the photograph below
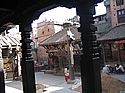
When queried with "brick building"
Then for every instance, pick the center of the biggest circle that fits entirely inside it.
(115, 11)
(43, 30)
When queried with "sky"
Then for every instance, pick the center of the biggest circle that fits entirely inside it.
(60, 14)
(100, 9)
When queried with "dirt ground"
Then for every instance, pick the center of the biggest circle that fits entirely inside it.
(40, 86)
(109, 85)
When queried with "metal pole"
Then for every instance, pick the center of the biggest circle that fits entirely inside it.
(72, 75)
(90, 66)
(71, 58)
(27, 63)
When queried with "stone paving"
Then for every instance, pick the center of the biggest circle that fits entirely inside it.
(54, 84)
(120, 77)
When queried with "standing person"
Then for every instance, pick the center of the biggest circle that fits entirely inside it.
(66, 73)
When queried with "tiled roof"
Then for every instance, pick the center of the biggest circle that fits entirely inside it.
(103, 27)
(61, 36)
(115, 33)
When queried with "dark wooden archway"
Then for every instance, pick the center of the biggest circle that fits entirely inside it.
(23, 12)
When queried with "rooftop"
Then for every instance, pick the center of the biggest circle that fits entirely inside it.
(116, 33)
(61, 36)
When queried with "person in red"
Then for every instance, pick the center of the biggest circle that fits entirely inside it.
(66, 73)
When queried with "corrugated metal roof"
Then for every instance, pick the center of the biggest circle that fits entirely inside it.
(9, 41)
(115, 33)
(2, 43)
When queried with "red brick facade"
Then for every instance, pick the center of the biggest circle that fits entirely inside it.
(44, 30)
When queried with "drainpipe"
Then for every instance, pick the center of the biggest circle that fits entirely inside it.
(72, 73)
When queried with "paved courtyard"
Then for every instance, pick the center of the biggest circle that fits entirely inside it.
(54, 84)
(120, 77)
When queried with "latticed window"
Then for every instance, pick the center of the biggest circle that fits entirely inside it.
(119, 2)
(5, 52)
(121, 16)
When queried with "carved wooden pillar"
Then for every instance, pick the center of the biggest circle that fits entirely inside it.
(103, 53)
(2, 81)
(27, 63)
(90, 72)
(119, 53)
(110, 50)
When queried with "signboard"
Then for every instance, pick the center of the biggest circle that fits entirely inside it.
(119, 42)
